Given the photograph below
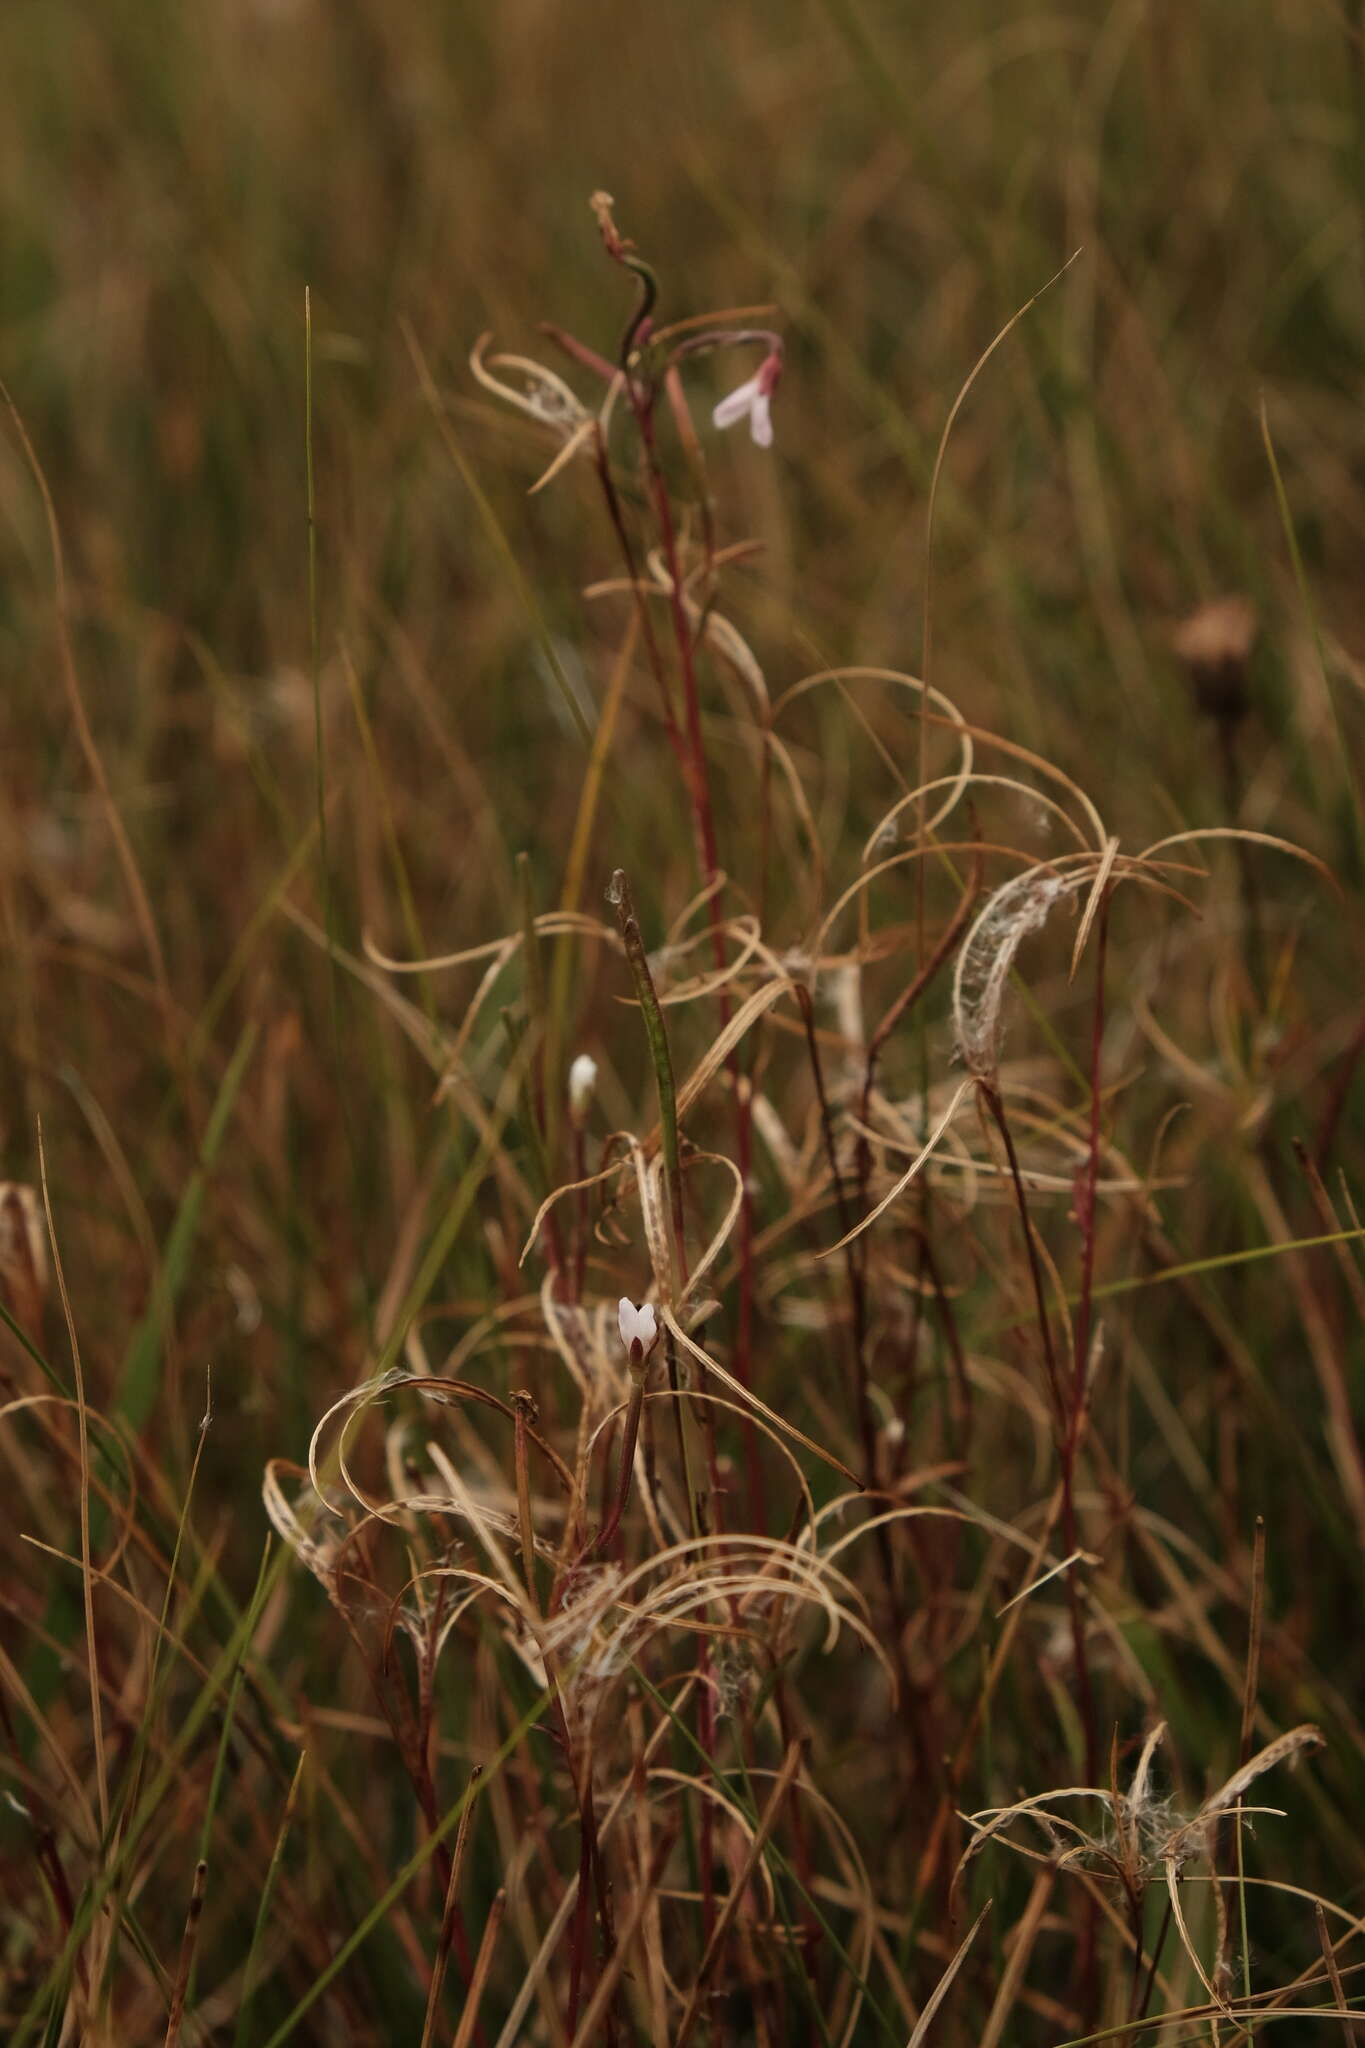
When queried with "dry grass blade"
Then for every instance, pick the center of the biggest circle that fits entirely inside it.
(945, 1983)
(948, 716)
(559, 1919)
(571, 1187)
(483, 1963)
(87, 1564)
(1253, 1670)
(544, 396)
(911, 1171)
(264, 1906)
(1333, 1969)
(1092, 905)
(584, 435)
(188, 1944)
(1025, 1934)
(720, 1237)
(449, 1912)
(651, 1186)
(1285, 1748)
(1246, 838)
(719, 1051)
(94, 760)
(1000, 1817)
(886, 827)
(1172, 1870)
(749, 1399)
(1034, 1585)
(939, 459)
(641, 1904)
(791, 1765)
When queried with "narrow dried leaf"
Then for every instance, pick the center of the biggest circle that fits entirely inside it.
(944, 1984)
(714, 1058)
(750, 1399)
(903, 1183)
(1178, 1915)
(1293, 1743)
(1093, 902)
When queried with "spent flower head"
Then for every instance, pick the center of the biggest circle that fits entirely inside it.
(1215, 643)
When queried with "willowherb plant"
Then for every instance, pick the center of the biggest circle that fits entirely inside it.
(656, 1608)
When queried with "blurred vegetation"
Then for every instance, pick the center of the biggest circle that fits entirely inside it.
(248, 1152)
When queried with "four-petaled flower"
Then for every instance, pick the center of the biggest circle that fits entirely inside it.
(639, 1330)
(752, 399)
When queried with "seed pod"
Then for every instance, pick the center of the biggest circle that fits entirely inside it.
(1215, 644)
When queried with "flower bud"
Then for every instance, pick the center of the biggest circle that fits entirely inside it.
(582, 1086)
(639, 1329)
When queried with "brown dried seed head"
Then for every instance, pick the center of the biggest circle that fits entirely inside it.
(1215, 644)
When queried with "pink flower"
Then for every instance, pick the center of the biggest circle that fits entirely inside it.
(638, 1328)
(752, 398)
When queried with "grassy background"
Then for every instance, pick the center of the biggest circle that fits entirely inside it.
(253, 1182)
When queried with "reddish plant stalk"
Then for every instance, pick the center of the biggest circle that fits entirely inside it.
(1087, 1182)
(853, 1268)
(953, 1339)
(900, 1009)
(579, 1261)
(692, 759)
(699, 782)
(578, 1933)
(647, 634)
(618, 1506)
(591, 1875)
(1067, 1437)
(1085, 1216)
(801, 1851)
(662, 1058)
(695, 775)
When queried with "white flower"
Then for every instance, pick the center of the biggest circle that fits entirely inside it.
(582, 1081)
(754, 399)
(638, 1326)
